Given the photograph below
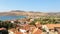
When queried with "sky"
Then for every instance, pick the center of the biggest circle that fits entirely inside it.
(30, 5)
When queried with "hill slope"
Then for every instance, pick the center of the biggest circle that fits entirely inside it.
(29, 13)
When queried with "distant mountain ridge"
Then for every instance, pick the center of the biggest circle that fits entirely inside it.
(27, 13)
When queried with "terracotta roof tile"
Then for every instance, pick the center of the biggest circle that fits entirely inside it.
(18, 33)
(51, 26)
(26, 27)
(37, 31)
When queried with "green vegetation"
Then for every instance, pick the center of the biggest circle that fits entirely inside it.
(7, 25)
(47, 20)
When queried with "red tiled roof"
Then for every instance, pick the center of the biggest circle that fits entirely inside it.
(2, 28)
(18, 33)
(13, 30)
(51, 26)
(37, 31)
(26, 27)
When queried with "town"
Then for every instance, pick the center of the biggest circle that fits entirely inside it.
(31, 26)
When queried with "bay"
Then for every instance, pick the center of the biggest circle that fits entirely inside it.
(11, 17)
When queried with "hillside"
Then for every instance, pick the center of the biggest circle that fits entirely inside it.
(17, 12)
(27, 13)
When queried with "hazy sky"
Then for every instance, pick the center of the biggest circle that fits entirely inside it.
(30, 5)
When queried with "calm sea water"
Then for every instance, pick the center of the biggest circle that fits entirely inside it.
(11, 17)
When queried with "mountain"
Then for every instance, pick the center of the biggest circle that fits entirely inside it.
(27, 13)
(18, 12)
(54, 14)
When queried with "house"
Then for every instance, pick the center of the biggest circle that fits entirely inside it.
(37, 31)
(38, 24)
(26, 27)
(52, 26)
(18, 33)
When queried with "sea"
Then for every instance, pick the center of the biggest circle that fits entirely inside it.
(11, 17)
